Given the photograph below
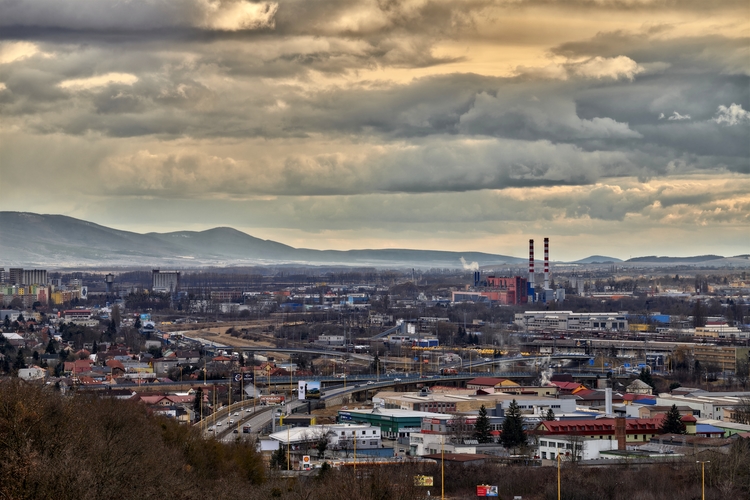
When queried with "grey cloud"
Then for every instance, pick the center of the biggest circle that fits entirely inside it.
(636, 207)
(552, 118)
(442, 164)
(642, 5)
(137, 15)
(709, 52)
(455, 132)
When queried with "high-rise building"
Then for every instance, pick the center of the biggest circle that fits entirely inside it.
(15, 276)
(34, 277)
(165, 281)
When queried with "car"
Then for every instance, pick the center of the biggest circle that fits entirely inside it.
(371, 382)
(487, 359)
(397, 380)
(218, 424)
(211, 429)
(248, 410)
(235, 431)
(231, 421)
(236, 414)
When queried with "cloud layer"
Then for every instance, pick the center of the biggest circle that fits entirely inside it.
(352, 119)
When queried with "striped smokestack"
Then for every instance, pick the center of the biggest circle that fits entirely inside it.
(531, 262)
(546, 263)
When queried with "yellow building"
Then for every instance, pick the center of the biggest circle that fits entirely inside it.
(724, 357)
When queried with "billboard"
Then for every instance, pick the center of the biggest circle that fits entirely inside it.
(306, 463)
(484, 490)
(272, 399)
(246, 377)
(308, 390)
(423, 481)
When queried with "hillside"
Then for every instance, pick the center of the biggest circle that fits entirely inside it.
(60, 241)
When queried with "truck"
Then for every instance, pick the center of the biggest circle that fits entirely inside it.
(448, 371)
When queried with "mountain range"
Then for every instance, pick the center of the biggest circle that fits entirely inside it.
(58, 241)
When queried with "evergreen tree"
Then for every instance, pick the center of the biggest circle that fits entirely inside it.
(376, 365)
(322, 446)
(550, 416)
(645, 376)
(50, 347)
(19, 363)
(482, 427)
(278, 458)
(198, 401)
(94, 348)
(6, 322)
(513, 434)
(672, 423)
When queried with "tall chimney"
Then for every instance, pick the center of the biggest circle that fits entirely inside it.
(546, 263)
(608, 401)
(532, 283)
(621, 433)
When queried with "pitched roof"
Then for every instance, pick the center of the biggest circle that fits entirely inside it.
(487, 381)
(566, 386)
(639, 384)
(598, 426)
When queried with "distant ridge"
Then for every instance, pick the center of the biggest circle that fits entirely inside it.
(58, 241)
(653, 258)
(28, 239)
(597, 259)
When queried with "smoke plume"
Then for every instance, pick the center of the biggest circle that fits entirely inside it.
(474, 266)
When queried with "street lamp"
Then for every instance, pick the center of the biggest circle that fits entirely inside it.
(442, 467)
(703, 477)
(558, 473)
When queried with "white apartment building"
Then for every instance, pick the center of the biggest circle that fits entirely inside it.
(570, 321)
(572, 448)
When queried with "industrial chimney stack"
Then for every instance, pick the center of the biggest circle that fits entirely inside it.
(546, 263)
(531, 264)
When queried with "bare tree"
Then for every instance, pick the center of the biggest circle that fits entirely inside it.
(741, 411)
(573, 448)
(459, 430)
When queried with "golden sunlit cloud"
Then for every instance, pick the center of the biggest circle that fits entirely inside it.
(16, 51)
(99, 81)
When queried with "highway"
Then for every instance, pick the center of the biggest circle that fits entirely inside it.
(260, 417)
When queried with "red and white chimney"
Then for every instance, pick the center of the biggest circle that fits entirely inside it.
(546, 263)
(531, 263)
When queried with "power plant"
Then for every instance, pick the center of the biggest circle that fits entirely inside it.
(546, 293)
(514, 290)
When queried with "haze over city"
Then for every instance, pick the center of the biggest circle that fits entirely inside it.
(614, 128)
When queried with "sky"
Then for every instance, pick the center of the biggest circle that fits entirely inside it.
(613, 127)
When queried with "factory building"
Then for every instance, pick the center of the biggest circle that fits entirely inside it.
(570, 321)
(165, 281)
(508, 290)
(513, 290)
